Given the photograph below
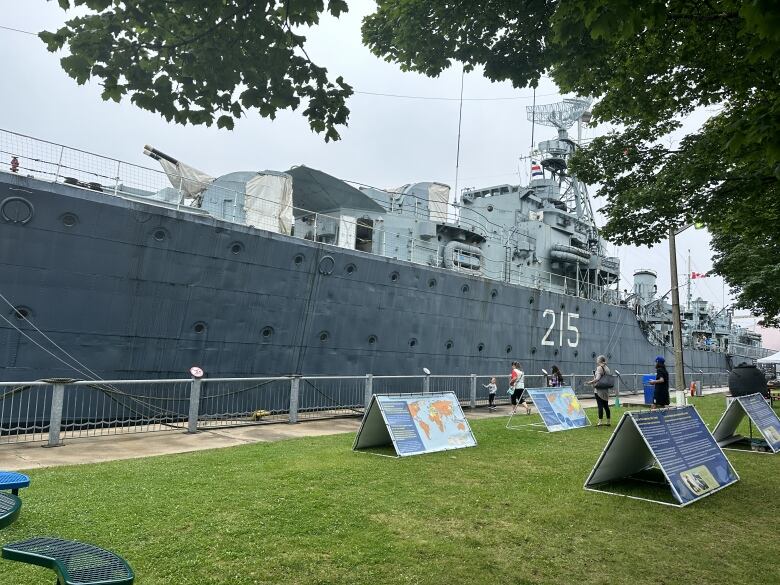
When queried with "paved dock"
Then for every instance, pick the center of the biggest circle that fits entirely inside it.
(34, 455)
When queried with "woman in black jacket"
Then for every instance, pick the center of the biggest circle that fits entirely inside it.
(660, 384)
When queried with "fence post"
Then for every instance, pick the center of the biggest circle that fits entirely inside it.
(427, 384)
(369, 392)
(473, 395)
(295, 388)
(192, 419)
(55, 416)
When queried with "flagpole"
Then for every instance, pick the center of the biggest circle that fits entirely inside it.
(533, 120)
(460, 118)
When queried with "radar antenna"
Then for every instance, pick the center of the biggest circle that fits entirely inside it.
(561, 115)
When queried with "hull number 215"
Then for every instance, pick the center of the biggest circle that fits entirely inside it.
(572, 333)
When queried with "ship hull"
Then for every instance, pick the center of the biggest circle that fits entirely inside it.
(134, 290)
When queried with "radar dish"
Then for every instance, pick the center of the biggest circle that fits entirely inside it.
(559, 115)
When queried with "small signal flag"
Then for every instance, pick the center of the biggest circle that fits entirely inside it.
(699, 275)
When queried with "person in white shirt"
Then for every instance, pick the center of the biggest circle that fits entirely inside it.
(491, 393)
(517, 387)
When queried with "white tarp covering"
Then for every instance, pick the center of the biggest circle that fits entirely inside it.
(268, 202)
(347, 232)
(770, 359)
(182, 176)
(438, 201)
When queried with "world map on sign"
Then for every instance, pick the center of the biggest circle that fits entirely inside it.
(441, 422)
(560, 410)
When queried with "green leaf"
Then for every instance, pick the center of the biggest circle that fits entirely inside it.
(225, 122)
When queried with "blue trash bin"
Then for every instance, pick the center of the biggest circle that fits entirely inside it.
(648, 388)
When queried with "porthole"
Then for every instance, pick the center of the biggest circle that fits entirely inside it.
(372, 339)
(563, 306)
(432, 283)
(609, 314)
(412, 342)
(464, 289)
(324, 336)
(21, 313)
(480, 347)
(199, 327)
(593, 355)
(267, 332)
(533, 350)
(326, 265)
(236, 247)
(159, 235)
(593, 311)
(449, 344)
(16, 210)
(577, 309)
(555, 352)
(350, 268)
(531, 301)
(576, 353)
(509, 349)
(69, 219)
(493, 294)
(490, 208)
(394, 276)
(298, 259)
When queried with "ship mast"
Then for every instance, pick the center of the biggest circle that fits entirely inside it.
(688, 283)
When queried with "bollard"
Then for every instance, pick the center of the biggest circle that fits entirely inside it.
(369, 391)
(473, 394)
(192, 418)
(55, 416)
(295, 387)
(427, 384)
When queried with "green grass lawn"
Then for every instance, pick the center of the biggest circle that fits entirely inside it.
(511, 510)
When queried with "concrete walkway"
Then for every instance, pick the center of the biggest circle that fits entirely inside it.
(21, 456)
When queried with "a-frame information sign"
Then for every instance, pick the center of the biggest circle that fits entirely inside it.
(559, 408)
(414, 423)
(760, 414)
(674, 440)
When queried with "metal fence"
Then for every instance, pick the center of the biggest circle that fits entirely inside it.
(53, 411)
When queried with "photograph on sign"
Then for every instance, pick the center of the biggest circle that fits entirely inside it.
(559, 408)
(414, 424)
(759, 415)
(660, 453)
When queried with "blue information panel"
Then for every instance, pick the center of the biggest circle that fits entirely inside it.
(423, 423)
(559, 408)
(764, 418)
(685, 450)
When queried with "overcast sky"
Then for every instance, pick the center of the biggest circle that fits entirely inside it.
(389, 141)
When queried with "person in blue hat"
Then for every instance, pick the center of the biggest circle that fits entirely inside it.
(660, 384)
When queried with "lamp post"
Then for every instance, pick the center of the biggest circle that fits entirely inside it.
(679, 367)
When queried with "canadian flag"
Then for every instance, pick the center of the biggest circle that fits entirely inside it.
(536, 170)
(699, 275)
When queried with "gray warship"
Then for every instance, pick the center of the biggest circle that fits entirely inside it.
(113, 270)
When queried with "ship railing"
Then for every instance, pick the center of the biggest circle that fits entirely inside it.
(56, 163)
(56, 411)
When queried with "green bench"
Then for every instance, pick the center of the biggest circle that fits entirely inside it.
(10, 505)
(75, 563)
